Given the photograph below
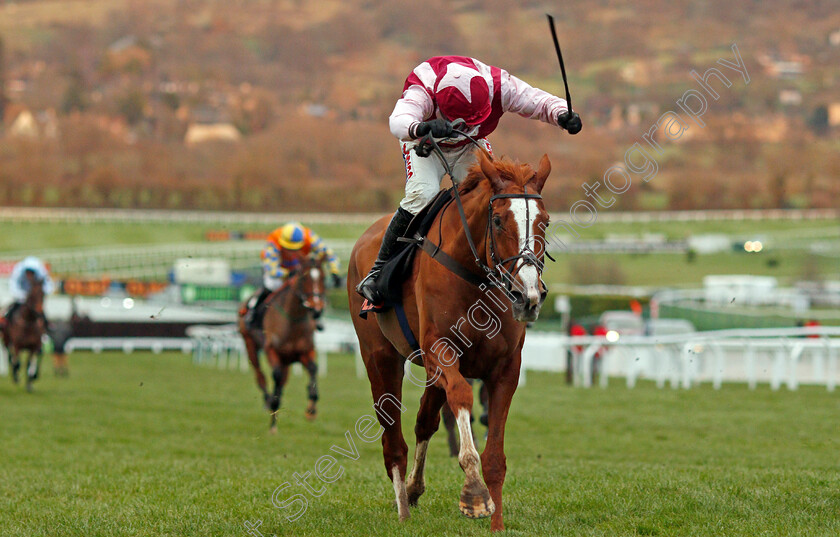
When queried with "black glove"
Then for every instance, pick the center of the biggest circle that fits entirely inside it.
(440, 128)
(336, 278)
(570, 122)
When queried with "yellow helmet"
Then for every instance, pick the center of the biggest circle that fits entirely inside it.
(291, 236)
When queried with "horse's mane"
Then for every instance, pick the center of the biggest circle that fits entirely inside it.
(511, 170)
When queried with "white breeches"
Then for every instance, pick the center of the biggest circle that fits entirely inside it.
(271, 283)
(423, 175)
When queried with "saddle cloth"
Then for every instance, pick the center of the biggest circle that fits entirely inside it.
(396, 270)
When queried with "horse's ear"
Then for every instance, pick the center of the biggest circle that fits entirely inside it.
(490, 171)
(542, 174)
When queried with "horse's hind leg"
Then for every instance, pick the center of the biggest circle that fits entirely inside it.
(428, 421)
(253, 352)
(385, 368)
(311, 367)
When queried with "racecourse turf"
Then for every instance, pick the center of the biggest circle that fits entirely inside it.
(153, 445)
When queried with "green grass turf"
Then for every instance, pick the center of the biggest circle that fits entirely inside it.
(148, 445)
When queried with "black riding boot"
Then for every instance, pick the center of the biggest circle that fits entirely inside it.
(369, 287)
(7, 317)
(253, 319)
(11, 311)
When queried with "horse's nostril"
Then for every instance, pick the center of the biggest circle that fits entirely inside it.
(517, 297)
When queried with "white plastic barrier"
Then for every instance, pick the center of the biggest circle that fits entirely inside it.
(223, 346)
(128, 344)
(776, 356)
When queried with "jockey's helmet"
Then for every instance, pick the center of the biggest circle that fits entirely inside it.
(291, 236)
(462, 93)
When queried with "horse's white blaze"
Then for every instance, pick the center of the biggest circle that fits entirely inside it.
(315, 274)
(468, 455)
(525, 216)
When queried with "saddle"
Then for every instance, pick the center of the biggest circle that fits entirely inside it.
(397, 269)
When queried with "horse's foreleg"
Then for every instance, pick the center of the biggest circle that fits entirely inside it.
(312, 388)
(34, 364)
(449, 423)
(428, 421)
(493, 459)
(33, 361)
(278, 373)
(14, 363)
(475, 499)
(484, 397)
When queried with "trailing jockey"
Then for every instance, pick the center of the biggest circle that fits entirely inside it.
(282, 255)
(24, 274)
(438, 92)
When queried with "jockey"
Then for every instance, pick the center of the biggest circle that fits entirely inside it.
(24, 273)
(438, 92)
(281, 256)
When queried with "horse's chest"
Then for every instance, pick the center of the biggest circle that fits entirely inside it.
(295, 345)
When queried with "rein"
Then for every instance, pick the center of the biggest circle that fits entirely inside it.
(425, 147)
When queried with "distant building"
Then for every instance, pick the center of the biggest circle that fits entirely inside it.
(789, 67)
(834, 115)
(199, 133)
(24, 126)
(127, 54)
(22, 123)
(790, 97)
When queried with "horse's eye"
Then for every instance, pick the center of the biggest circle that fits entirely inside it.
(497, 220)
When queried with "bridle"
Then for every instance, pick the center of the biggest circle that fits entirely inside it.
(295, 284)
(35, 298)
(498, 272)
(307, 299)
(526, 255)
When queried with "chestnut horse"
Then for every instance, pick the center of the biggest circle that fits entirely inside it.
(465, 329)
(24, 331)
(288, 334)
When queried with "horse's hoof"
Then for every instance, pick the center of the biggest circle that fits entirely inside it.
(29, 387)
(272, 429)
(414, 493)
(476, 502)
(405, 515)
(311, 415)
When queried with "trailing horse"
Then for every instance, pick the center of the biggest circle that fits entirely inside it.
(467, 298)
(23, 332)
(287, 334)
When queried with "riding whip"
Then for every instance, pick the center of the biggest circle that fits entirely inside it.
(560, 58)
